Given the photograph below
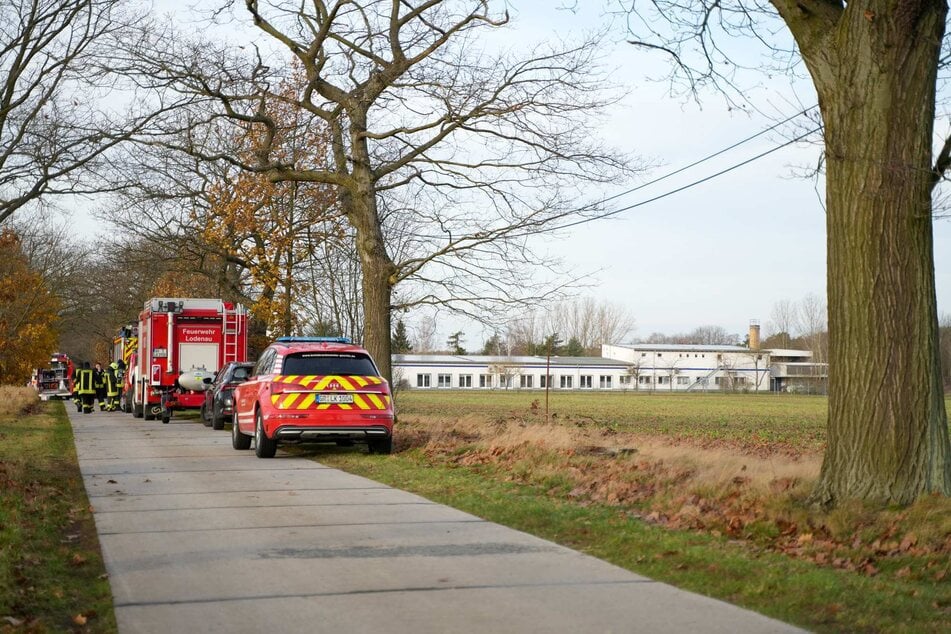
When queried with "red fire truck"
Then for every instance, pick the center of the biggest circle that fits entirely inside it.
(56, 381)
(180, 342)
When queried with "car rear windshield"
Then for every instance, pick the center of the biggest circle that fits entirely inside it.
(240, 373)
(323, 363)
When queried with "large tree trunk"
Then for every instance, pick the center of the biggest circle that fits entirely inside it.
(875, 74)
(377, 269)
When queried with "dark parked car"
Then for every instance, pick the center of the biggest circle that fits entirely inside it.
(219, 405)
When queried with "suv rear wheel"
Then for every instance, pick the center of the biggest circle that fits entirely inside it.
(264, 447)
(381, 446)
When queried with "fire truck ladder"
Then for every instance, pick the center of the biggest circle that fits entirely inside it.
(230, 329)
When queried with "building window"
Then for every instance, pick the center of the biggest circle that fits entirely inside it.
(505, 381)
(525, 380)
(604, 382)
(423, 380)
(659, 354)
(683, 380)
(465, 380)
(663, 380)
(444, 380)
(585, 381)
(566, 382)
(643, 354)
(644, 380)
(624, 379)
(545, 381)
(485, 380)
(740, 380)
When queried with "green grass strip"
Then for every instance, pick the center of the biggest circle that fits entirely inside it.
(52, 577)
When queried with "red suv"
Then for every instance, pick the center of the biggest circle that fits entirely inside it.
(313, 389)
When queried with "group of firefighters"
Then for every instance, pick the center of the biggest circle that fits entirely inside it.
(102, 384)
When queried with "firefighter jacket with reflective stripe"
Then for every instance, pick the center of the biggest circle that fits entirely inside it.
(87, 383)
(99, 380)
(112, 384)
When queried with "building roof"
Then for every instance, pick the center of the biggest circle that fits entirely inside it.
(785, 352)
(682, 347)
(469, 360)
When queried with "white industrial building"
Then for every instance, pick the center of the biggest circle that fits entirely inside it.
(635, 366)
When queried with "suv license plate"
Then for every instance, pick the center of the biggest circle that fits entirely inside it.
(335, 398)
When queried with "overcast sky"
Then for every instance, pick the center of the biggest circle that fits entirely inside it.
(720, 253)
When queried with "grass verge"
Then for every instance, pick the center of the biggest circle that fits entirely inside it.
(706, 492)
(793, 590)
(52, 578)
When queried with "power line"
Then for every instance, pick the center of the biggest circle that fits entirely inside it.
(706, 158)
(669, 175)
(673, 191)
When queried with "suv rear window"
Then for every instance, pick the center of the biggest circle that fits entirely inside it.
(323, 363)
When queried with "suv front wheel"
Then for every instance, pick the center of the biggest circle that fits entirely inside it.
(238, 440)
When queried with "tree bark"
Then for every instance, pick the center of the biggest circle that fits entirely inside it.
(377, 267)
(874, 65)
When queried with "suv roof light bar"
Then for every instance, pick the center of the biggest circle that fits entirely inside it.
(314, 340)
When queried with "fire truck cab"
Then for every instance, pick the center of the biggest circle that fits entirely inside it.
(179, 341)
(124, 345)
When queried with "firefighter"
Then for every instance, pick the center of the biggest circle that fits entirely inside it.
(100, 385)
(112, 388)
(87, 387)
(120, 380)
(77, 399)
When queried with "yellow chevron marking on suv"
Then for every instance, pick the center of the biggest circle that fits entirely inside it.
(307, 402)
(288, 401)
(359, 402)
(376, 401)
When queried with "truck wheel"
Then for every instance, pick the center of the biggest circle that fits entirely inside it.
(166, 418)
(238, 440)
(147, 412)
(204, 415)
(264, 447)
(136, 411)
(381, 446)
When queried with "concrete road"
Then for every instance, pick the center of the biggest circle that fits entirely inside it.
(198, 537)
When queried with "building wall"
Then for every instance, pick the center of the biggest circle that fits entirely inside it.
(694, 368)
(680, 368)
(435, 375)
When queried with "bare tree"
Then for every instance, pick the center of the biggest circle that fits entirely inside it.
(53, 126)
(669, 370)
(424, 338)
(506, 373)
(874, 65)
(593, 322)
(782, 321)
(811, 321)
(479, 150)
(633, 372)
